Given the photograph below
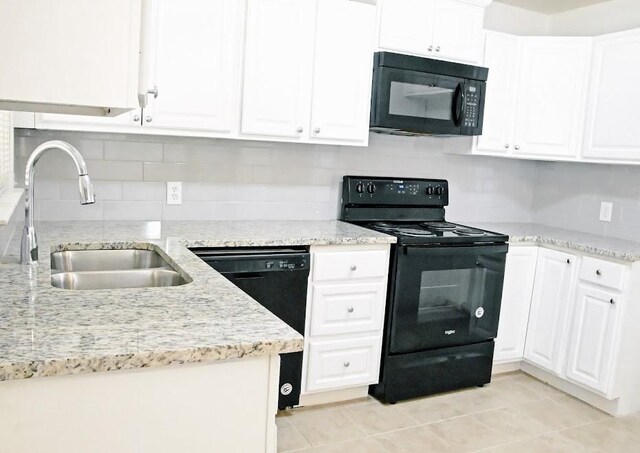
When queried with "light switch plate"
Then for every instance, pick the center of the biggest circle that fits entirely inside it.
(174, 193)
(606, 210)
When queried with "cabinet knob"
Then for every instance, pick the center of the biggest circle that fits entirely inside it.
(506, 145)
(517, 147)
(300, 130)
(317, 130)
(612, 302)
(153, 91)
(437, 48)
(136, 118)
(568, 261)
(354, 268)
(598, 273)
(148, 119)
(430, 48)
(347, 364)
(350, 309)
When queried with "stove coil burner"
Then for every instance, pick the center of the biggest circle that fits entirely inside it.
(440, 226)
(414, 232)
(466, 231)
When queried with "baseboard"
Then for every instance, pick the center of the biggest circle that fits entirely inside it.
(315, 399)
(505, 367)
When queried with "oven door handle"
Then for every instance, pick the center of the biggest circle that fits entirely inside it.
(459, 104)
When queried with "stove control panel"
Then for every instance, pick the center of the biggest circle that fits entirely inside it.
(359, 190)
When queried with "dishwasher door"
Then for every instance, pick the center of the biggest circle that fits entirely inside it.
(277, 279)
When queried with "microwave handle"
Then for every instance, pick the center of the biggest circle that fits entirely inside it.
(459, 103)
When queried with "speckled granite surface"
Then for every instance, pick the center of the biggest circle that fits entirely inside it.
(45, 331)
(582, 242)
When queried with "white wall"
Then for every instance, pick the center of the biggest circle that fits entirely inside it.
(514, 20)
(608, 17)
(230, 179)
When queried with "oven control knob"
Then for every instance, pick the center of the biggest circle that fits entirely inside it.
(439, 190)
(429, 190)
(371, 188)
(359, 187)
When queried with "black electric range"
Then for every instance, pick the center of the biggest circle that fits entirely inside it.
(445, 287)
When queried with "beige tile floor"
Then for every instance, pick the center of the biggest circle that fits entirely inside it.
(515, 413)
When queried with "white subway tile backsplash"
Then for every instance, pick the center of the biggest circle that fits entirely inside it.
(68, 210)
(105, 190)
(136, 151)
(132, 210)
(142, 191)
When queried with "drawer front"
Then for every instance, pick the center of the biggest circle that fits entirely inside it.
(350, 265)
(343, 363)
(347, 308)
(604, 273)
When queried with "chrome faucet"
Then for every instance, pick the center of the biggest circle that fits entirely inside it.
(29, 246)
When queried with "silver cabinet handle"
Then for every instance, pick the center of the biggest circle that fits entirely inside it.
(153, 91)
(350, 309)
(517, 147)
(347, 364)
(437, 48)
(148, 119)
(300, 130)
(506, 146)
(430, 48)
(354, 268)
(136, 118)
(612, 302)
(317, 130)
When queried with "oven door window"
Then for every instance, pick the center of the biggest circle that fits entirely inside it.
(416, 101)
(446, 296)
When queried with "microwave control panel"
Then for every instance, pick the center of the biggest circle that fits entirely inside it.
(472, 106)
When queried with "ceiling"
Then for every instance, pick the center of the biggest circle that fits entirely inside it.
(551, 6)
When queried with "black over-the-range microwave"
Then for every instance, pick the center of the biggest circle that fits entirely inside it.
(421, 96)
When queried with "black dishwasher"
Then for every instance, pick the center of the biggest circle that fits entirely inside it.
(276, 277)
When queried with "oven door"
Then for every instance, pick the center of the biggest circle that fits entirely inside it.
(417, 102)
(446, 296)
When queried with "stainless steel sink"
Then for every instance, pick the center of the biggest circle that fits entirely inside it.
(112, 269)
(139, 278)
(106, 260)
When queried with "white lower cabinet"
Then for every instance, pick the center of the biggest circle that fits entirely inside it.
(594, 339)
(345, 317)
(550, 305)
(516, 302)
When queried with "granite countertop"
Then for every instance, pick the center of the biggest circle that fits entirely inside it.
(46, 331)
(582, 242)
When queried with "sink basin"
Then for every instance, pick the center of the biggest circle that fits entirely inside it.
(106, 260)
(112, 269)
(139, 278)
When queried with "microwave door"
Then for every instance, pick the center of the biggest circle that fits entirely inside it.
(417, 102)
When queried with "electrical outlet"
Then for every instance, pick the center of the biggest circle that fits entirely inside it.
(606, 211)
(174, 193)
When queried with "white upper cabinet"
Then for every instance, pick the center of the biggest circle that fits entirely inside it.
(550, 304)
(551, 100)
(446, 29)
(612, 122)
(71, 56)
(278, 67)
(595, 339)
(343, 70)
(516, 302)
(196, 65)
(501, 56)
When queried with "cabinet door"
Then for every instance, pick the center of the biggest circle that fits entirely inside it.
(501, 57)
(407, 25)
(278, 67)
(516, 302)
(596, 325)
(612, 129)
(457, 31)
(551, 96)
(129, 122)
(196, 65)
(343, 70)
(550, 304)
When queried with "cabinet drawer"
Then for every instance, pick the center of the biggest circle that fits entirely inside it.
(350, 265)
(347, 308)
(605, 273)
(343, 363)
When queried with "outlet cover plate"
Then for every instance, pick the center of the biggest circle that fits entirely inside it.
(174, 192)
(606, 209)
